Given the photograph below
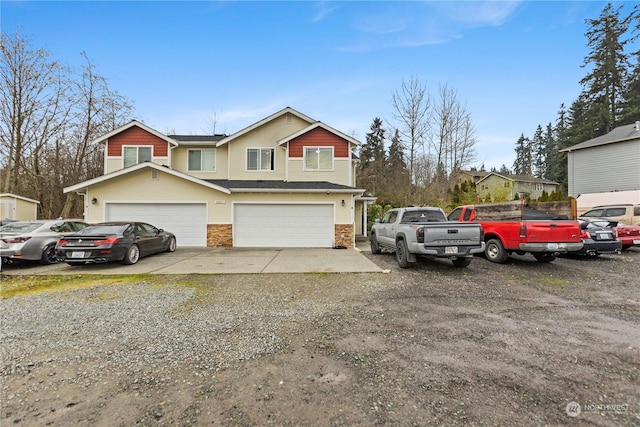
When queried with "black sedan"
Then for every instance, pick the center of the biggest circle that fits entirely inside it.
(114, 241)
(599, 237)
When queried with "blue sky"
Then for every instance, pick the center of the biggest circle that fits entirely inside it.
(182, 63)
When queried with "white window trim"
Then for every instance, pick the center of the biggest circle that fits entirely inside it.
(273, 157)
(215, 159)
(137, 147)
(304, 158)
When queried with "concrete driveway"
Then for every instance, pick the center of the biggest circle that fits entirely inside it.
(222, 261)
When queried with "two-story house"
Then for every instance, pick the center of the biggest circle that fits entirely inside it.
(507, 187)
(285, 181)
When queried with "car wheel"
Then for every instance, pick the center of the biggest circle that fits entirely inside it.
(132, 256)
(171, 247)
(375, 247)
(402, 254)
(495, 251)
(545, 257)
(49, 255)
(461, 262)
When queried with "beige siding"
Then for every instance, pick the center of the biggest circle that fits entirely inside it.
(180, 162)
(264, 136)
(339, 174)
(140, 186)
(113, 164)
(18, 209)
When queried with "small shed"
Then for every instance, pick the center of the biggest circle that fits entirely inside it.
(17, 207)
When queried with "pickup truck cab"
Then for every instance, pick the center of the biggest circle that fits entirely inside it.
(414, 231)
(543, 238)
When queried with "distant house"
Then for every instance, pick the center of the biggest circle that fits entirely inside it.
(495, 186)
(607, 163)
(18, 207)
(468, 175)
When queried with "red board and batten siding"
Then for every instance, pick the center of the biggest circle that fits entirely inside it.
(319, 138)
(136, 136)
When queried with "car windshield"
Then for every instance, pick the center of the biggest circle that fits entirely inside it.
(103, 229)
(20, 227)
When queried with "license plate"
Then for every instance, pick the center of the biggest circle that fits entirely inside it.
(451, 250)
(77, 254)
(636, 242)
(605, 236)
(552, 246)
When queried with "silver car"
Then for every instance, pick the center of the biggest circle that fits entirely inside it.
(35, 240)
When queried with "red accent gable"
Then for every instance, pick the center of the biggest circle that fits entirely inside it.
(319, 137)
(136, 136)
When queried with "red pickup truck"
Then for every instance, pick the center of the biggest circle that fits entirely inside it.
(513, 228)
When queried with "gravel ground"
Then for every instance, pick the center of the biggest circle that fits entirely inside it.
(513, 344)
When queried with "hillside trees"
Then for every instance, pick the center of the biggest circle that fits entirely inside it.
(610, 96)
(49, 113)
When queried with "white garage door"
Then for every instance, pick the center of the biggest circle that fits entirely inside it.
(187, 221)
(283, 226)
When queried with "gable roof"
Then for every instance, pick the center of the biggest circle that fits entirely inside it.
(287, 110)
(139, 166)
(619, 134)
(129, 125)
(252, 186)
(315, 126)
(519, 178)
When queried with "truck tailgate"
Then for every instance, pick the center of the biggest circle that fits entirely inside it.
(552, 231)
(452, 234)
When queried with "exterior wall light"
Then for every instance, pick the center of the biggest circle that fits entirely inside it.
(94, 201)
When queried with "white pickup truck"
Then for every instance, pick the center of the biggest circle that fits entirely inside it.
(414, 231)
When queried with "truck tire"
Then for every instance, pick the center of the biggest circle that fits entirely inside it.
(545, 257)
(375, 247)
(495, 251)
(461, 262)
(402, 254)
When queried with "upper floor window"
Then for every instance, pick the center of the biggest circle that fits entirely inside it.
(318, 158)
(202, 160)
(134, 155)
(260, 159)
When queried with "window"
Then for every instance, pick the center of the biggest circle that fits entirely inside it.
(318, 158)
(507, 184)
(615, 212)
(135, 155)
(202, 160)
(260, 159)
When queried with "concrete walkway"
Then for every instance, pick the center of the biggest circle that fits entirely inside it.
(222, 261)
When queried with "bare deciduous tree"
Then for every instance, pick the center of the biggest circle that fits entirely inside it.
(411, 108)
(48, 117)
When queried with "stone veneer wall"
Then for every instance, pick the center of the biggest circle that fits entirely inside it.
(219, 235)
(344, 235)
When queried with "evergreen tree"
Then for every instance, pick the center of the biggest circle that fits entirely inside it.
(372, 158)
(538, 153)
(604, 85)
(522, 163)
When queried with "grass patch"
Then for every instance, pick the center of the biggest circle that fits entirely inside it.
(11, 286)
(555, 282)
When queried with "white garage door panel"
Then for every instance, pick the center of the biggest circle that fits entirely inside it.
(187, 221)
(287, 226)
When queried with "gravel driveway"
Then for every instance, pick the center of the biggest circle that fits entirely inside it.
(516, 344)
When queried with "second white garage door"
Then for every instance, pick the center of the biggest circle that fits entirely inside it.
(188, 221)
(283, 226)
